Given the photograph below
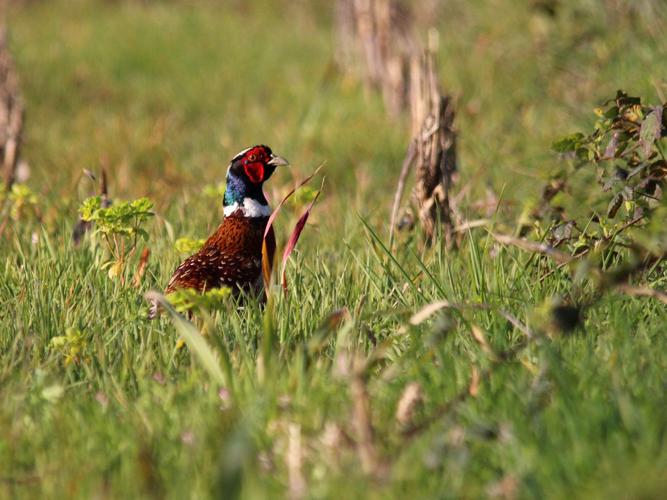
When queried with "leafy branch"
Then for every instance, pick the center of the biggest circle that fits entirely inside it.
(626, 153)
(627, 150)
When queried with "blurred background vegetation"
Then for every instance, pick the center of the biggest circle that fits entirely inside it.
(164, 92)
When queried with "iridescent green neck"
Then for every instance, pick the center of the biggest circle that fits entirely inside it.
(235, 191)
(240, 195)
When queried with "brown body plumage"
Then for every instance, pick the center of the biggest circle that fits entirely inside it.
(231, 257)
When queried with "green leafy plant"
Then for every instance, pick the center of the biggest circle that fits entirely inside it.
(626, 147)
(188, 245)
(120, 227)
(70, 346)
(627, 150)
(20, 200)
(187, 300)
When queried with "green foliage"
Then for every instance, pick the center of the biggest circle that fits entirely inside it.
(627, 148)
(188, 300)
(21, 201)
(120, 219)
(626, 152)
(120, 226)
(188, 245)
(570, 143)
(70, 346)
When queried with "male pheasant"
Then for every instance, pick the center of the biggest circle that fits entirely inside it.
(232, 256)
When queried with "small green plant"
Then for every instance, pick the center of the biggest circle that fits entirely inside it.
(187, 300)
(70, 346)
(120, 227)
(21, 200)
(188, 245)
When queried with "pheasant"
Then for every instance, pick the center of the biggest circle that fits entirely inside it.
(232, 256)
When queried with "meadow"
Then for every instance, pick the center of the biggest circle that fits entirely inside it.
(336, 390)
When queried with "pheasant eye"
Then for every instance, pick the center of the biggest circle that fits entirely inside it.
(252, 157)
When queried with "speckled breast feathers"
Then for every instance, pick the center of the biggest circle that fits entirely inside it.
(231, 257)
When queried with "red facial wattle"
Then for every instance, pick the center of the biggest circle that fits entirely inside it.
(254, 171)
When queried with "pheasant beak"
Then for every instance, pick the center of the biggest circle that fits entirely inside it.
(277, 161)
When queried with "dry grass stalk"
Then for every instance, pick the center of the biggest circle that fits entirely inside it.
(480, 337)
(558, 256)
(294, 459)
(361, 421)
(411, 398)
(507, 487)
(11, 113)
(642, 291)
(374, 40)
(432, 128)
(82, 226)
(344, 24)
(141, 269)
(473, 388)
(405, 170)
(334, 439)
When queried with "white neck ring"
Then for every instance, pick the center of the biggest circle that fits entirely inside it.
(249, 208)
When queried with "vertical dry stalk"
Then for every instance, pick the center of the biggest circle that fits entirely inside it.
(367, 27)
(375, 41)
(346, 39)
(141, 269)
(410, 399)
(11, 113)
(82, 226)
(405, 170)
(363, 427)
(297, 484)
(432, 127)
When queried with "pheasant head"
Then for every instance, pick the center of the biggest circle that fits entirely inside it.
(246, 175)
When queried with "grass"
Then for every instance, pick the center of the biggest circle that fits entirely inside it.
(163, 93)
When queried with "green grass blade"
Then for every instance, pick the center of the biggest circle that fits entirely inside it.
(193, 338)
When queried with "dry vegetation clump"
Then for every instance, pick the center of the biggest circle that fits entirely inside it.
(11, 113)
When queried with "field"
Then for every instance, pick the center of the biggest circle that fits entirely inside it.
(303, 395)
